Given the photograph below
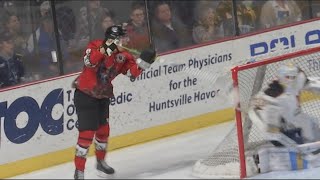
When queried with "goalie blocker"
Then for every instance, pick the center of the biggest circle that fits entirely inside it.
(292, 135)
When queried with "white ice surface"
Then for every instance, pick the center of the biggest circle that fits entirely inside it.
(166, 158)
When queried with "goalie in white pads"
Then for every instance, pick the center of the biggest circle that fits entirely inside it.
(293, 135)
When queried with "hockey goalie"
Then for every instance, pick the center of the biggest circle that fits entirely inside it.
(292, 136)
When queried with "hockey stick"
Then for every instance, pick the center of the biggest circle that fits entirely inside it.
(136, 52)
(131, 50)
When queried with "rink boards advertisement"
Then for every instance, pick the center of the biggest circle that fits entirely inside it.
(185, 86)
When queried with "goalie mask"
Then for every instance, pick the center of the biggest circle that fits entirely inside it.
(287, 75)
(112, 38)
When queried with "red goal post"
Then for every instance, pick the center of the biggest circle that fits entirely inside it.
(228, 159)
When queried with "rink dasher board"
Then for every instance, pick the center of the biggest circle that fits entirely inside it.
(174, 96)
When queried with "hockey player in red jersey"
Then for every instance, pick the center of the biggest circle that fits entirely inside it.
(103, 61)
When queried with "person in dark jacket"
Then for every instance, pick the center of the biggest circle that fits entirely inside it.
(11, 67)
(169, 32)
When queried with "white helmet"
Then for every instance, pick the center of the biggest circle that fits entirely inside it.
(287, 74)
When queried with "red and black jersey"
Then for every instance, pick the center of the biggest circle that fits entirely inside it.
(99, 70)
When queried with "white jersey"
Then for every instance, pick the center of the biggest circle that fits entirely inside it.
(276, 112)
(299, 85)
(273, 109)
(279, 107)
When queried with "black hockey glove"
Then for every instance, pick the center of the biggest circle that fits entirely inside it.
(109, 47)
(147, 57)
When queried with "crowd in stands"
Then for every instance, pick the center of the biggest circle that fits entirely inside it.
(42, 39)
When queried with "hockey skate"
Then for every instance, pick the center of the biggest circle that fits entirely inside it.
(78, 174)
(104, 169)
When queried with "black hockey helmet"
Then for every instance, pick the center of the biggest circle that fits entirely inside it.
(114, 32)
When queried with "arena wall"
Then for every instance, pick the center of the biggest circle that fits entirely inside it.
(179, 93)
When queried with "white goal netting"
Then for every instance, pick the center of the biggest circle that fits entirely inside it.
(227, 160)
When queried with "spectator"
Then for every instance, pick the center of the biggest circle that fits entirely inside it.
(82, 33)
(13, 26)
(46, 45)
(11, 67)
(184, 9)
(246, 16)
(169, 32)
(137, 29)
(315, 9)
(206, 26)
(89, 18)
(66, 20)
(225, 17)
(304, 6)
(90, 21)
(203, 3)
(9, 5)
(45, 9)
(279, 12)
(106, 21)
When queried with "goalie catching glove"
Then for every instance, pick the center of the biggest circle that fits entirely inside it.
(147, 57)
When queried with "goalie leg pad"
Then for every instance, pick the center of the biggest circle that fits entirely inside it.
(282, 158)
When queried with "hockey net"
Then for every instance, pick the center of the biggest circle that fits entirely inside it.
(228, 160)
